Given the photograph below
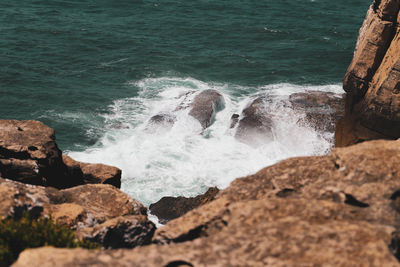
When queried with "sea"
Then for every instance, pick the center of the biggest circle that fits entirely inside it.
(97, 70)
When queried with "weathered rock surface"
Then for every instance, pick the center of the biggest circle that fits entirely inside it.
(169, 208)
(205, 105)
(341, 209)
(322, 109)
(97, 212)
(91, 173)
(255, 126)
(372, 81)
(29, 154)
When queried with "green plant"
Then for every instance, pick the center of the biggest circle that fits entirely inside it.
(17, 234)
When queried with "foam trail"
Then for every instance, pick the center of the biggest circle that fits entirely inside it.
(185, 161)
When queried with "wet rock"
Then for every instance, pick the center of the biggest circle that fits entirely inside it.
(161, 121)
(205, 105)
(322, 109)
(234, 120)
(255, 127)
(169, 208)
(372, 79)
(93, 173)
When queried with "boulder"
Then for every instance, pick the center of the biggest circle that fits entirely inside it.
(93, 173)
(169, 208)
(161, 121)
(29, 154)
(96, 212)
(205, 105)
(255, 125)
(372, 81)
(322, 109)
(340, 209)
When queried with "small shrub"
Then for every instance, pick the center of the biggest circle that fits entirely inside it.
(17, 234)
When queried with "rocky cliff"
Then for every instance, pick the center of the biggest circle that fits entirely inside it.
(372, 81)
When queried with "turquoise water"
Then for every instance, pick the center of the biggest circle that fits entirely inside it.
(65, 62)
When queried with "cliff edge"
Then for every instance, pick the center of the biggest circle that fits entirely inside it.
(372, 81)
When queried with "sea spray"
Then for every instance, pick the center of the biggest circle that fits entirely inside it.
(185, 160)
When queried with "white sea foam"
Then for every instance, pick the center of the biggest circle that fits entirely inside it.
(185, 160)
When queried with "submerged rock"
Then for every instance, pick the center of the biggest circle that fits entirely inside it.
(255, 126)
(372, 81)
(169, 208)
(161, 121)
(205, 105)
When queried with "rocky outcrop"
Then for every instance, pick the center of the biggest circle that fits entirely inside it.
(169, 208)
(91, 173)
(340, 209)
(372, 81)
(322, 109)
(29, 154)
(96, 212)
(205, 105)
(255, 125)
(161, 121)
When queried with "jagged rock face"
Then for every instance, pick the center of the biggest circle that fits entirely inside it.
(91, 173)
(205, 105)
(372, 81)
(169, 208)
(341, 209)
(29, 154)
(96, 212)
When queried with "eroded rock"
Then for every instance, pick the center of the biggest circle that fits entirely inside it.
(372, 79)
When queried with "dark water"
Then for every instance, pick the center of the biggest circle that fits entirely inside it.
(65, 62)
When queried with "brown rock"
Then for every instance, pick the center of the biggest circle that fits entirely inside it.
(169, 208)
(29, 153)
(372, 79)
(121, 232)
(205, 105)
(340, 209)
(93, 173)
(97, 212)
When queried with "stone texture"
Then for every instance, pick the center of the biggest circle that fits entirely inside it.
(97, 212)
(93, 173)
(205, 105)
(322, 109)
(29, 153)
(169, 208)
(372, 81)
(341, 209)
(255, 125)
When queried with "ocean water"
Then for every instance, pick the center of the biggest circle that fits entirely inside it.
(96, 71)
